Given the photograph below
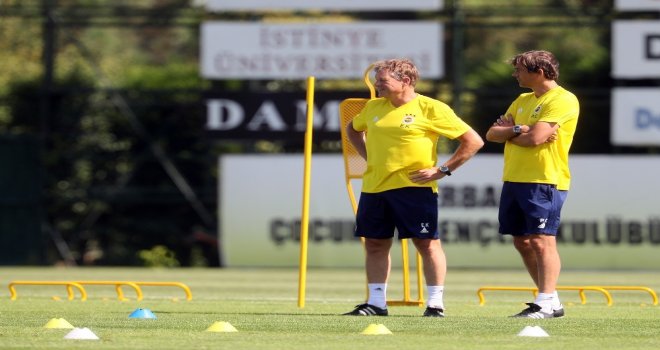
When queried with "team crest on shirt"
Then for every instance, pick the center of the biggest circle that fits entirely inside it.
(535, 114)
(407, 120)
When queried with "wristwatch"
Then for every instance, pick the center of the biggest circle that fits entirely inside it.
(517, 129)
(445, 170)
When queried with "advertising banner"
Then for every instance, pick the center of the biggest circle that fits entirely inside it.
(244, 50)
(330, 5)
(635, 117)
(636, 49)
(268, 116)
(611, 219)
(637, 5)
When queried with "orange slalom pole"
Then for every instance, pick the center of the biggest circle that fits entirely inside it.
(304, 221)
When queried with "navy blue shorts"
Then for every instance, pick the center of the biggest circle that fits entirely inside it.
(413, 211)
(528, 208)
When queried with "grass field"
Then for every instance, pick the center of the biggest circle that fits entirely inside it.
(262, 305)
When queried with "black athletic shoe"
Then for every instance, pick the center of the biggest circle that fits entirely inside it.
(558, 313)
(434, 312)
(534, 311)
(367, 310)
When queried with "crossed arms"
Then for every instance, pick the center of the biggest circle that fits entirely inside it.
(502, 131)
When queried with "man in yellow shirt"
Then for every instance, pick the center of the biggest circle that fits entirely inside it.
(397, 134)
(537, 131)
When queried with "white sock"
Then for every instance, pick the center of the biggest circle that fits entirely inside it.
(545, 301)
(377, 294)
(435, 296)
(556, 304)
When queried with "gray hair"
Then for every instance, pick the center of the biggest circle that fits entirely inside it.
(399, 68)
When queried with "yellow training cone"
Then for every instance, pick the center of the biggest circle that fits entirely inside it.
(221, 327)
(376, 329)
(58, 323)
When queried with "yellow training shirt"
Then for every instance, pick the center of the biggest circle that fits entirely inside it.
(404, 139)
(546, 163)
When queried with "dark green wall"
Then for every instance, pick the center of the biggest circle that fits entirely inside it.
(21, 241)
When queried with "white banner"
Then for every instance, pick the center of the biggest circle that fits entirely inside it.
(234, 50)
(610, 220)
(636, 49)
(637, 5)
(329, 5)
(635, 117)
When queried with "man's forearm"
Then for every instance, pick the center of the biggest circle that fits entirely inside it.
(500, 134)
(357, 140)
(470, 144)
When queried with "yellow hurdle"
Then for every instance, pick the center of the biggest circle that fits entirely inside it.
(583, 296)
(651, 292)
(117, 284)
(69, 288)
(136, 287)
(185, 288)
(534, 290)
(118, 287)
(581, 289)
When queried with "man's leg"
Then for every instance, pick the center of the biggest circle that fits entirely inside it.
(540, 255)
(536, 204)
(435, 270)
(373, 218)
(524, 246)
(548, 261)
(378, 263)
(434, 260)
(378, 260)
